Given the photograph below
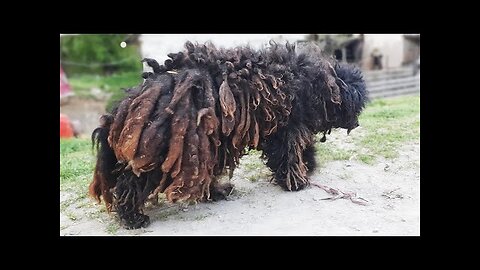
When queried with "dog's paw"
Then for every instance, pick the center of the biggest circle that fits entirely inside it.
(137, 221)
(292, 184)
(221, 191)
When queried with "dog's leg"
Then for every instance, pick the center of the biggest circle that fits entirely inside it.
(220, 190)
(290, 155)
(130, 195)
(309, 158)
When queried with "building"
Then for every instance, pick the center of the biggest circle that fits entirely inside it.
(157, 46)
(396, 50)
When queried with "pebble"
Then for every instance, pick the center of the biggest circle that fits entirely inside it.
(387, 167)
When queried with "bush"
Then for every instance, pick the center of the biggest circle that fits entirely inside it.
(100, 54)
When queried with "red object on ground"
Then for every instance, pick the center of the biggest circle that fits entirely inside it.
(66, 130)
(65, 89)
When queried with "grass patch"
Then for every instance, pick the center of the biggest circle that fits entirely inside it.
(82, 84)
(328, 151)
(367, 159)
(389, 123)
(253, 178)
(163, 215)
(201, 217)
(252, 167)
(113, 85)
(77, 162)
(112, 228)
(385, 125)
(71, 216)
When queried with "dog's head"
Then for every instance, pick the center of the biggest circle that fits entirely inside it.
(353, 95)
(338, 90)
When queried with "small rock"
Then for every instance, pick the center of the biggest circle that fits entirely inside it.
(389, 207)
(348, 165)
(387, 167)
(185, 209)
(375, 231)
(403, 220)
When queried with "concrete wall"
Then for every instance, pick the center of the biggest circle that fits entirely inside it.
(411, 51)
(157, 46)
(390, 45)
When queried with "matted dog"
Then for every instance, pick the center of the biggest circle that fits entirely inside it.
(193, 118)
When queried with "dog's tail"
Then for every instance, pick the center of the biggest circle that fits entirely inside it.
(104, 178)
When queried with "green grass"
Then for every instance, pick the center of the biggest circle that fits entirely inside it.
(76, 170)
(82, 84)
(112, 228)
(76, 162)
(386, 124)
(328, 152)
(252, 166)
(71, 216)
(113, 85)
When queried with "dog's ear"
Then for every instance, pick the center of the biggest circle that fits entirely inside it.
(351, 80)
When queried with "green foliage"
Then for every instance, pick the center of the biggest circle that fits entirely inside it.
(99, 54)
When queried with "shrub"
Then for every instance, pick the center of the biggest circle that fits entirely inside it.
(100, 54)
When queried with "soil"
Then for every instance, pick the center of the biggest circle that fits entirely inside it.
(391, 187)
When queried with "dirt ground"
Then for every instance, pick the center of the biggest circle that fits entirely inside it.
(392, 188)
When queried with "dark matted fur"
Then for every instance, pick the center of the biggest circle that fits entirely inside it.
(194, 117)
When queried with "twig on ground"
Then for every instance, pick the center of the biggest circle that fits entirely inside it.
(338, 194)
(388, 195)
